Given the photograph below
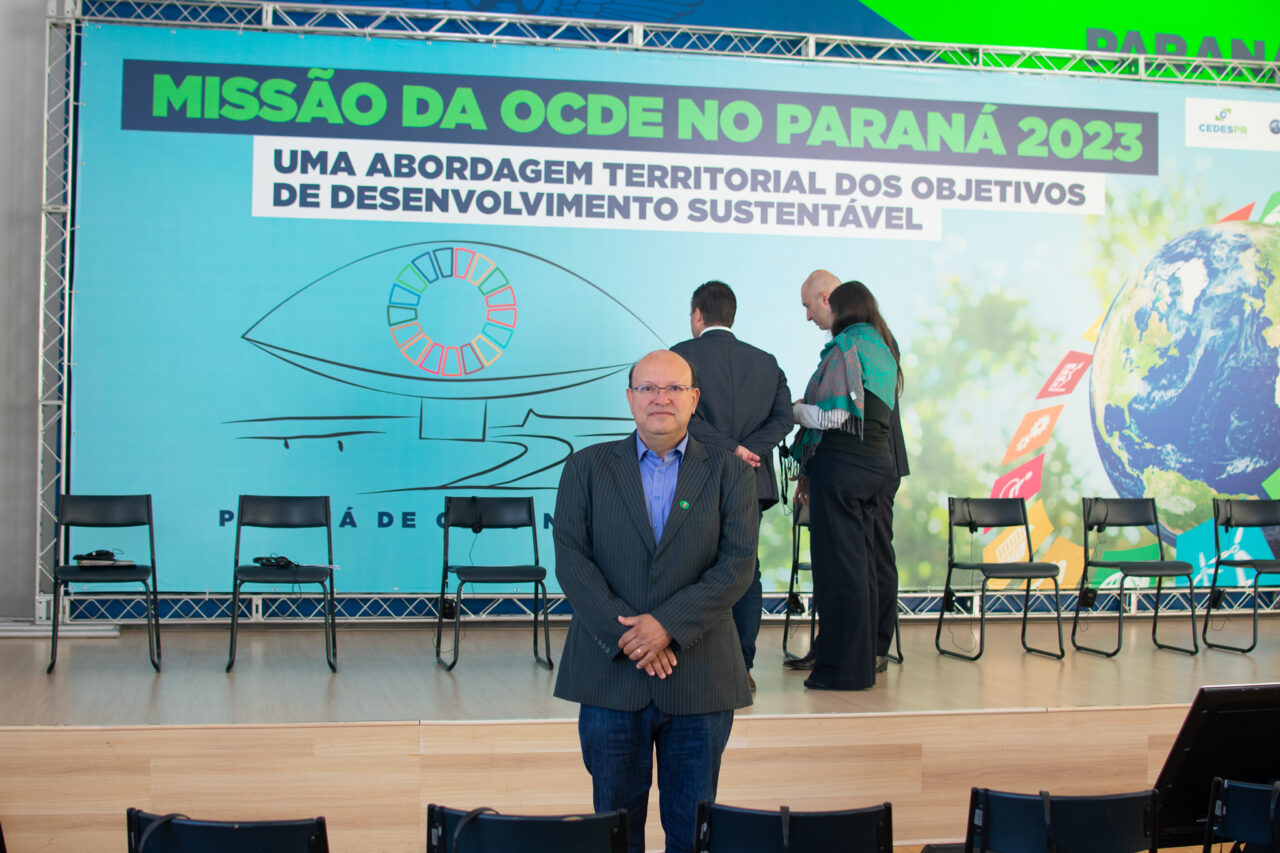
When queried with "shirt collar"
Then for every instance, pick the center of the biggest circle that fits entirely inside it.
(716, 329)
(642, 449)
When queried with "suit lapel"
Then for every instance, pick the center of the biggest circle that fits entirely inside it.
(694, 473)
(626, 473)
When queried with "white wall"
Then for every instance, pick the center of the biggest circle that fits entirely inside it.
(21, 101)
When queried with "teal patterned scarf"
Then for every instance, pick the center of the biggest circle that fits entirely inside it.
(854, 362)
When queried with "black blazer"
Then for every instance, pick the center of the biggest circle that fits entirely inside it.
(745, 400)
(898, 444)
(608, 566)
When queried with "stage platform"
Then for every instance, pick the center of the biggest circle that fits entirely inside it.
(371, 746)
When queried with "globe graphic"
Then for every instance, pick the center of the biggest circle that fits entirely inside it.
(1185, 387)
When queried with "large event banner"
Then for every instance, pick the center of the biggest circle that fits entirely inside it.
(390, 270)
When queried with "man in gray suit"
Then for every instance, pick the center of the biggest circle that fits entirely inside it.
(655, 540)
(745, 408)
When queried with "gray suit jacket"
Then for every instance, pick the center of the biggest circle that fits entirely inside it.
(608, 566)
(745, 400)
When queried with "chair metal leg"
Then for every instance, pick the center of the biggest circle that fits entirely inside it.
(1057, 608)
(1208, 611)
(546, 631)
(535, 621)
(155, 593)
(897, 642)
(330, 627)
(796, 566)
(57, 617)
(153, 625)
(1075, 621)
(457, 632)
(440, 608)
(1155, 621)
(982, 623)
(235, 614)
(439, 623)
(333, 598)
(786, 615)
(786, 631)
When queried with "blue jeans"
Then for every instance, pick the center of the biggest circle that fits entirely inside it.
(746, 617)
(618, 748)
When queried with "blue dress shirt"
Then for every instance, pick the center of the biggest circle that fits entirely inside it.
(658, 477)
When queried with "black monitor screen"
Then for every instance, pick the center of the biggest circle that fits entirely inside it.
(1232, 732)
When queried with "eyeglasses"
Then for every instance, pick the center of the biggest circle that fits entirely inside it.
(652, 390)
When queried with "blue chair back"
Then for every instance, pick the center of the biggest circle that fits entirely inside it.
(1003, 822)
(174, 833)
(1244, 812)
(726, 829)
(457, 831)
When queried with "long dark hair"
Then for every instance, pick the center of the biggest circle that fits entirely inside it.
(853, 302)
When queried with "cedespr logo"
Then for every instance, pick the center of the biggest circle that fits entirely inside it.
(1241, 124)
(1220, 124)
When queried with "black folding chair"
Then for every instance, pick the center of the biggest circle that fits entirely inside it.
(480, 514)
(175, 833)
(457, 831)
(1243, 812)
(287, 512)
(1102, 513)
(799, 523)
(1029, 823)
(725, 829)
(976, 513)
(1229, 513)
(101, 511)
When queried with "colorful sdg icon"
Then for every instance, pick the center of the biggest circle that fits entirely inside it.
(440, 320)
(451, 357)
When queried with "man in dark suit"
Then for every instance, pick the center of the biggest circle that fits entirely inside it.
(655, 539)
(745, 408)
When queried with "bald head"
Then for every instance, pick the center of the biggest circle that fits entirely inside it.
(662, 416)
(814, 295)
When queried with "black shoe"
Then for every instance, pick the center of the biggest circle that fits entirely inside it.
(882, 663)
(813, 684)
(804, 663)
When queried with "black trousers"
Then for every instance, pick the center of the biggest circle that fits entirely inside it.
(885, 563)
(842, 520)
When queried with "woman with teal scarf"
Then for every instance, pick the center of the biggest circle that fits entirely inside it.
(845, 458)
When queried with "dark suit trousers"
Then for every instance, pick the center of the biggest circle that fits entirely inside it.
(747, 613)
(842, 517)
(886, 566)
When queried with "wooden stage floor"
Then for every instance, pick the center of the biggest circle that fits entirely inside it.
(370, 746)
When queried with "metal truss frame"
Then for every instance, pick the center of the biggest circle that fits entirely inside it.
(282, 608)
(66, 18)
(449, 25)
(53, 324)
(393, 608)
